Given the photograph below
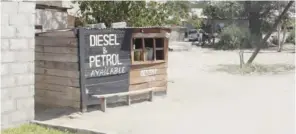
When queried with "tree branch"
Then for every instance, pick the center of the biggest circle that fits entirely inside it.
(258, 46)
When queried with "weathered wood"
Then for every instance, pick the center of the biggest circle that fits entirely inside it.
(58, 88)
(128, 100)
(74, 82)
(67, 33)
(57, 72)
(57, 102)
(56, 41)
(149, 35)
(103, 104)
(166, 49)
(147, 72)
(124, 93)
(151, 95)
(52, 94)
(139, 86)
(160, 83)
(56, 57)
(103, 100)
(148, 79)
(151, 30)
(56, 50)
(57, 65)
(158, 89)
(149, 66)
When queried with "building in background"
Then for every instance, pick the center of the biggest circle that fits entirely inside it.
(51, 15)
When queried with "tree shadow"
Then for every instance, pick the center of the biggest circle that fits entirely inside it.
(44, 113)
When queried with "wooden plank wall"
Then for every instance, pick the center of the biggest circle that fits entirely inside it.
(149, 75)
(57, 69)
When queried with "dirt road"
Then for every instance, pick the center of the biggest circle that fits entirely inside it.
(203, 101)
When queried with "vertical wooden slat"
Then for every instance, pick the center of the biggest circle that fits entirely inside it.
(154, 49)
(143, 49)
(165, 49)
(132, 49)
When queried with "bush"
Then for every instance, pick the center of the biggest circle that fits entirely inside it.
(291, 38)
(233, 37)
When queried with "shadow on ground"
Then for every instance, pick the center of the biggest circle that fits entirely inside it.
(259, 69)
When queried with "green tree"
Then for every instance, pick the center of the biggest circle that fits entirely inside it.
(277, 21)
(135, 13)
(258, 13)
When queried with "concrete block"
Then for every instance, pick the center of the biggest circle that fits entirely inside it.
(22, 115)
(25, 79)
(25, 31)
(21, 92)
(23, 103)
(19, 19)
(17, 44)
(5, 121)
(31, 20)
(8, 32)
(18, 68)
(4, 69)
(4, 20)
(5, 94)
(8, 106)
(8, 81)
(31, 67)
(31, 43)
(27, 55)
(4, 44)
(9, 7)
(8, 56)
(26, 7)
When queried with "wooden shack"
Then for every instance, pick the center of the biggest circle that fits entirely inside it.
(81, 67)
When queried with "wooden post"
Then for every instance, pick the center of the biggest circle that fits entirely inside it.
(150, 95)
(154, 49)
(128, 100)
(144, 50)
(103, 104)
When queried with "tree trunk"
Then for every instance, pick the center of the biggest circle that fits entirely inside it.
(258, 47)
(283, 39)
(241, 58)
(279, 37)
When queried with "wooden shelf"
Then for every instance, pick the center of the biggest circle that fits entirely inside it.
(159, 48)
(147, 62)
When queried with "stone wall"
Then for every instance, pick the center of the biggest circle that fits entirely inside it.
(177, 34)
(17, 62)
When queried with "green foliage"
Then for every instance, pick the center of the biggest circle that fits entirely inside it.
(224, 10)
(242, 9)
(233, 37)
(135, 13)
(291, 37)
(195, 21)
(32, 129)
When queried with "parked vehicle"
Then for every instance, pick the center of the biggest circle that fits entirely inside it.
(193, 35)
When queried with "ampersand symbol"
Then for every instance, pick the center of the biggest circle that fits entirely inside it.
(105, 50)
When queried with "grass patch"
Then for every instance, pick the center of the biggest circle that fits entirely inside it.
(256, 69)
(32, 129)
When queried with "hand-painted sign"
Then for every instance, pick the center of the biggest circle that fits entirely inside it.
(105, 59)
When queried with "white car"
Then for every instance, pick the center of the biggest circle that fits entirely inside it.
(192, 35)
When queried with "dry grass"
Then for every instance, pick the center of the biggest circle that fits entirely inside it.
(256, 68)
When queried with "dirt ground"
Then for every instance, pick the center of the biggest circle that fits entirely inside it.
(201, 100)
